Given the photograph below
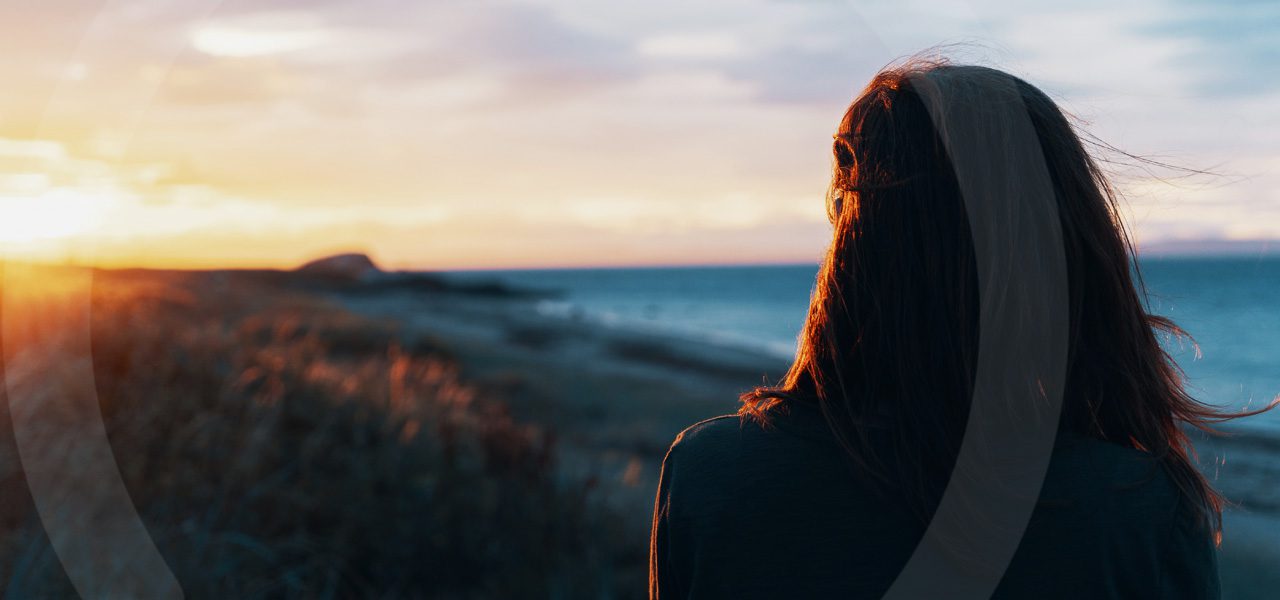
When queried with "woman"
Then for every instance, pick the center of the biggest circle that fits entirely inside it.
(963, 202)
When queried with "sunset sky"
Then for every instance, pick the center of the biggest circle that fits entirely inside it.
(438, 134)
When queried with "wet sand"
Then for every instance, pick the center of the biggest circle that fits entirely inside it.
(616, 398)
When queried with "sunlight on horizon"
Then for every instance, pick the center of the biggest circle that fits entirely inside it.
(52, 215)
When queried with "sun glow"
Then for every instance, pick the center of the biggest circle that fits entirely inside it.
(35, 220)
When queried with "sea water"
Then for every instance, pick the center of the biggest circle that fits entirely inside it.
(1229, 305)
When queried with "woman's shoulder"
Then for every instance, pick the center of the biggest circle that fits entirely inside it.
(711, 434)
(1107, 461)
(1125, 486)
(745, 446)
(731, 442)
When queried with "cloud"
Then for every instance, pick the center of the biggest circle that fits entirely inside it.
(1232, 50)
(672, 121)
(711, 45)
(262, 35)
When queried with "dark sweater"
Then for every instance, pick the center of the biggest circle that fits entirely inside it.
(751, 512)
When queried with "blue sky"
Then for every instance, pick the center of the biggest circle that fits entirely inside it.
(569, 132)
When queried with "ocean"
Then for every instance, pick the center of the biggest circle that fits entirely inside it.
(1229, 305)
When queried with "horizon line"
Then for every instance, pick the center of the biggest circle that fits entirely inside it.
(1160, 254)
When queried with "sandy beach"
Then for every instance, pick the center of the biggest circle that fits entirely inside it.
(617, 396)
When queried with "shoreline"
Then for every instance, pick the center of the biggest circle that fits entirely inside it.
(580, 361)
(624, 439)
(615, 396)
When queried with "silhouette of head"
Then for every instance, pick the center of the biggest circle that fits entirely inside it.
(893, 326)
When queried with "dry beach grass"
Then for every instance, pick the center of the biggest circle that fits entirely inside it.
(275, 445)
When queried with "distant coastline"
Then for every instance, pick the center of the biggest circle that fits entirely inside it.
(1210, 248)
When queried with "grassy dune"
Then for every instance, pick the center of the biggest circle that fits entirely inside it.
(277, 445)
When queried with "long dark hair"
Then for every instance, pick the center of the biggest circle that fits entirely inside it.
(892, 331)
